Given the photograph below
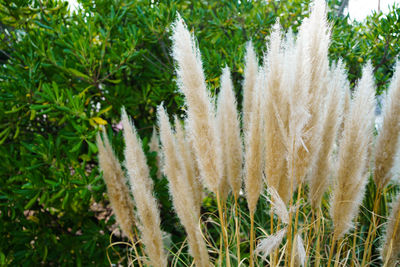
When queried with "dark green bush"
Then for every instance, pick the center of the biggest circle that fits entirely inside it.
(64, 74)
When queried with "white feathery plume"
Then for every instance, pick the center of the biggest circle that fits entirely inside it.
(201, 114)
(300, 250)
(332, 118)
(386, 145)
(228, 122)
(142, 190)
(314, 39)
(276, 117)
(279, 207)
(117, 188)
(270, 243)
(249, 82)
(181, 189)
(357, 137)
(189, 163)
(254, 154)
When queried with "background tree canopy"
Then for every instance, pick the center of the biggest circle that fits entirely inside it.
(63, 75)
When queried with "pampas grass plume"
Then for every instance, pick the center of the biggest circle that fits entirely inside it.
(250, 77)
(181, 189)
(319, 178)
(189, 164)
(254, 154)
(117, 188)
(231, 142)
(386, 144)
(201, 114)
(269, 244)
(275, 114)
(314, 39)
(142, 189)
(353, 155)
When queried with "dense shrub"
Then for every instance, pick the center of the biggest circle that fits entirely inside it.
(64, 74)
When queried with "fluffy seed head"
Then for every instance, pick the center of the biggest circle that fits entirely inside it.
(228, 123)
(250, 77)
(386, 144)
(117, 188)
(254, 154)
(319, 177)
(181, 189)
(357, 137)
(201, 114)
(142, 189)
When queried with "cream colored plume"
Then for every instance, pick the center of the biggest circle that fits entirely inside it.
(117, 188)
(154, 146)
(319, 177)
(254, 154)
(181, 189)
(189, 163)
(231, 142)
(250, 77)
(353, 155)
(300, 252)
(296, 68)
(201, 114)
(270, 243)
(386, 144)
(391, 242)
(276, 115)
(313, 44)
(142, 190)
(278, 206)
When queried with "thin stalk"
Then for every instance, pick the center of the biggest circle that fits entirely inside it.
(296, 220)
(276, 252)
(271, 216)
(289, 233)
(354, 256)
(338, 253)
(251, 238)
(375, 223)
(331, 250)
(135, 250)
(237, 227)
(317, 249)
(372, 228)
(223, 229)
(220, 250)
(310, 235)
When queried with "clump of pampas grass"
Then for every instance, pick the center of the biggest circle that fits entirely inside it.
(300, 131)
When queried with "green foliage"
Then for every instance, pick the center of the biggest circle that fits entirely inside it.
(64, 74)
